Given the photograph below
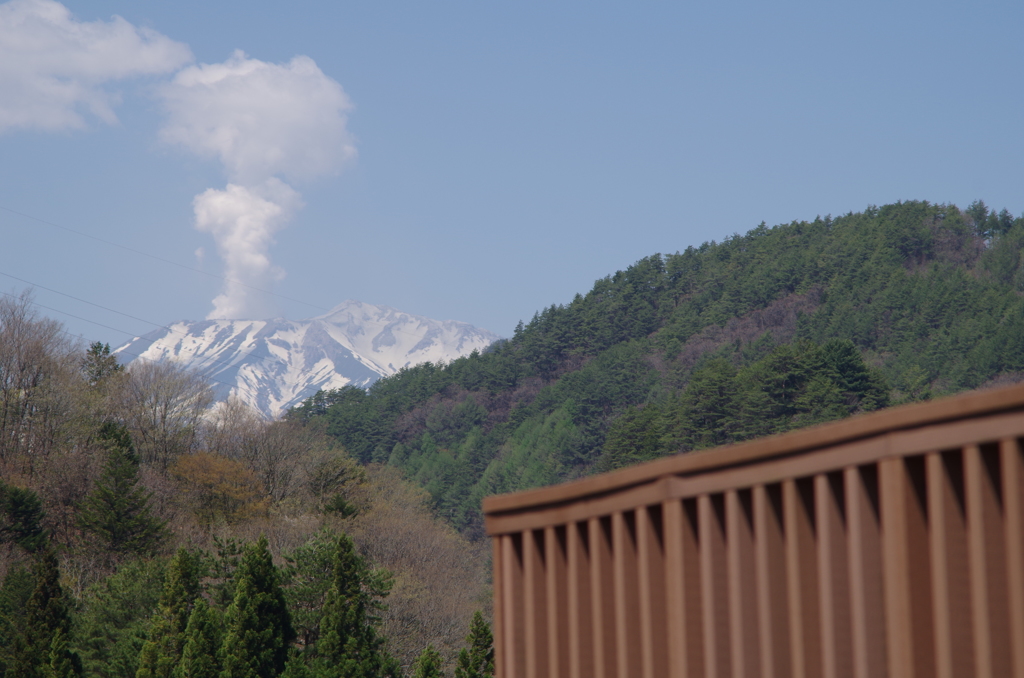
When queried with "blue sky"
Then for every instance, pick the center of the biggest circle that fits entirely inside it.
(506, 155)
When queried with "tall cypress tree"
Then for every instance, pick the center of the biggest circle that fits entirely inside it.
(117, 510)
(350, 646)
(202, 640)
(162, 652)
(258, 628)
(46, 616)
(477, 661)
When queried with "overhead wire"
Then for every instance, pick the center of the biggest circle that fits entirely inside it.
(138, 356)
(202, 363)
(167, 261)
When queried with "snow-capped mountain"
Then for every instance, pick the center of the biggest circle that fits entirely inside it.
(276, 364)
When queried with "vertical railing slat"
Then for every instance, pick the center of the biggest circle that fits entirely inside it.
(499, 607)
(951, 594)
(1013, 487)
(602, 588)
(714, 586)
(802, 577)
(974, 490)
(833, 579)
(684, 619)
(627, 604)
(940, 548)
(651, 579)
(743, 615)
(514, 624)
(581, 636)
(864, 561)
(896, 566)
(675, 571)
(772, 599)
(535, 603)
(557, 599)
(986, 537)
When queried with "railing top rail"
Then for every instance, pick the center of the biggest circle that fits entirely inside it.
(803, 441)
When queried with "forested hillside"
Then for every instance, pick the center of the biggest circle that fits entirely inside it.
(143, 535)
(779, 328)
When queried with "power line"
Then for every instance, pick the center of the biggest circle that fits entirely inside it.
(166, 261)
(153, 256)
(84, 301)
(138, 356)
(203, 361)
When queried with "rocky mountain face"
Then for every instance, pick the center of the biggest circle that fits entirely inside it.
(276, 364)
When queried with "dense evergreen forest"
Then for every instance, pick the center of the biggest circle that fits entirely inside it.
(144, 535)
(761, 333)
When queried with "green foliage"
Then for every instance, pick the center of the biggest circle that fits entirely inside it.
(477, 661)
(63, 663)
(221, 567)
(98, 363)
(429, 664)
(202, 641)
(117, 511)
(46, 616)
(350, 645)
(162, 652)
(113, 622)
(308, 576)
(21, 518)
(14, 594)
(923, 299)
(257, 625)
(341, 506)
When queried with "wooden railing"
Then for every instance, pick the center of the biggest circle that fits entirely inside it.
(888, 544)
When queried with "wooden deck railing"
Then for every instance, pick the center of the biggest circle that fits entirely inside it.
(888, 544)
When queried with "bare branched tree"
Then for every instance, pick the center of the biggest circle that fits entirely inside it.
(272, 449)
(38, 377)
(163, 404)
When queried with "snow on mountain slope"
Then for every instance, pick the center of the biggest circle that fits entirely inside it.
(276, 364)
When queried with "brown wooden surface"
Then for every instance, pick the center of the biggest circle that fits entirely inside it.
(963, 406)
(888, 545)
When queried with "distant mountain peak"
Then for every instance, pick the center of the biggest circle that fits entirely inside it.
(276, 364)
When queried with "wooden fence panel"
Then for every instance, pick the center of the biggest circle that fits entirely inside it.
(891, 545)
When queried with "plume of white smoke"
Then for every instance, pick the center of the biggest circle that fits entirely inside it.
(52, 67)
(242, 221)
(262, 121)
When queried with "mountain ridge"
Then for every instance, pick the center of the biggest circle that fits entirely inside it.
(275, 364)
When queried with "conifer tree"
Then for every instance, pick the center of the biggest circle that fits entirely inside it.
(46, 616)
(202, 641)
(118, 510)
(477, 661)
(350, 646)
(162, 652)
(257, 625)
(98, 363)
(428, 664)
(17, 587)
(63, 662)
(21, 516)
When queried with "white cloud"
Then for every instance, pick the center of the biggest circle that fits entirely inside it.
(243, 221)
(260, 119)
(53, 67)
